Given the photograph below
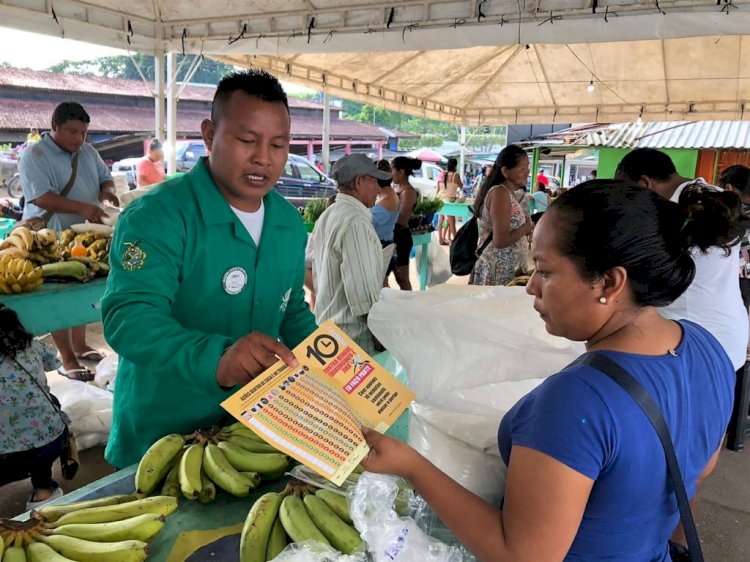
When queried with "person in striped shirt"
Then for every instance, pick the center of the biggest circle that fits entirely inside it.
(347, 255)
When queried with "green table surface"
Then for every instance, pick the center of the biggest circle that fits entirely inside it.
(200, 524)
(456, 209)
(55, 306)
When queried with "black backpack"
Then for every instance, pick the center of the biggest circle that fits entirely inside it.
(463, 252)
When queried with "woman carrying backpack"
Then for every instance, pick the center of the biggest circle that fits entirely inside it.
(502, 217)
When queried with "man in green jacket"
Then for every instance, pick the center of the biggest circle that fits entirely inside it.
(206, 288)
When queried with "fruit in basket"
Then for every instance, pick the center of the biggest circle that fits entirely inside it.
(110, 529)
(18, 275)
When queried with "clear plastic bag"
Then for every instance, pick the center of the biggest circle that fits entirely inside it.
(313, 551)
(106, 372)
(89, 409)
(391, 538)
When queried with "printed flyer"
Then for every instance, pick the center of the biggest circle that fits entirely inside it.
(314, 412)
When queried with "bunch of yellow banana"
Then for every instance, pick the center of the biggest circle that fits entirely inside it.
(91, 245)
(18, 275)
(233, 458)
(18, 243)
(45, 247)
(294, 515)
(110, 529)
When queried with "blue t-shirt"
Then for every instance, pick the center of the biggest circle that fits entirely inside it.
(585, 420)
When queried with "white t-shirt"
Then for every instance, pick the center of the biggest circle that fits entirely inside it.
(713, 300)
(253, 222)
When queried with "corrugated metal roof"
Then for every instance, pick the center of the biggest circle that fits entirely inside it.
(680, 134)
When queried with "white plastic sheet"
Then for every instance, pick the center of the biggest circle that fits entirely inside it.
(106, 372)
(470, 353)
(89, 409)
(313, 551)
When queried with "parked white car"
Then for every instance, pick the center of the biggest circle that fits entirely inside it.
(127, 167)
(425, 179)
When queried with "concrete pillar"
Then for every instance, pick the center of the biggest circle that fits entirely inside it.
(326, 150)
(171, 138)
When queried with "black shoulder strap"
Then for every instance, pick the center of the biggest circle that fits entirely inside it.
(653, 413)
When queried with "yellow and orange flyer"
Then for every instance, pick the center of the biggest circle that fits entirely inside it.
(314, 412)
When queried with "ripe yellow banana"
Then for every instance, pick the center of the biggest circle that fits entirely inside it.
(14, 252)
(16, 288)
(160, 505)
(257, 529)
(25, 234)
(208, 489)
(190, 471)
(14, 554)
(156, 462)
(223, 474)
(40, 552)
(247, 461)
(297, 522)
(276, 541)
(337, 503)
(141, 528)
(4, 288)
(341, 536)
(250, 444)
(92, 551)
(54, 512)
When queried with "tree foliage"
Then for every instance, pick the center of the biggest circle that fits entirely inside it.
(209, 72)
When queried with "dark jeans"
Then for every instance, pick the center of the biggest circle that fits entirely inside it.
(36, 463)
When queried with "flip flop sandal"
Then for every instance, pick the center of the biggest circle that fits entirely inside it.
(92, 355)
(83, 374)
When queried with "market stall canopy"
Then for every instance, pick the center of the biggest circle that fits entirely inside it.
(465, 61)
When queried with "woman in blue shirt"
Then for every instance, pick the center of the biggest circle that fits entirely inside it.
(587, 477)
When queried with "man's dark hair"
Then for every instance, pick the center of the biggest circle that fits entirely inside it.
(69, 111)
(155, 145)
(647, 162)
(253, 82)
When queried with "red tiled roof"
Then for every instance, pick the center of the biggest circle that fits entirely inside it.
(111, 118)
(60, 82)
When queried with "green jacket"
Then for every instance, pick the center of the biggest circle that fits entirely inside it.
(168, 311)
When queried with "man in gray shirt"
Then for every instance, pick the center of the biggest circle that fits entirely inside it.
(347, 255)
(45, 169)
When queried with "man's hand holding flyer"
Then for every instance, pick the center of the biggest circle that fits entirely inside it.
(314, 412)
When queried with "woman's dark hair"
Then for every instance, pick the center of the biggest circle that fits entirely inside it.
(711, 218)
(509, 157)
(602, 224)
(737, 176)
(452, 164)
(406, 164)
(13, 336)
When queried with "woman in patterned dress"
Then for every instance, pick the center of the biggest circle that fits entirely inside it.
(501, 215)
(32, 430)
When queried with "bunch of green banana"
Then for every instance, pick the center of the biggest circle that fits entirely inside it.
(110, 529)
(18, 275)
(295, 515)
(67, 270)
(232, 458)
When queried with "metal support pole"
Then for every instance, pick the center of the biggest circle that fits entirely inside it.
(171, 113)
(462, 153)
(326, 149)
(534, 168)
(159, 96)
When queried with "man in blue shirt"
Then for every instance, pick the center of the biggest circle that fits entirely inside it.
(46, 168)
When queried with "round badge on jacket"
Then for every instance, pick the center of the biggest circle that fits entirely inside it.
(234, 281)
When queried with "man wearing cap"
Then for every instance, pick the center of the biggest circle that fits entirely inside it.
(347, 255)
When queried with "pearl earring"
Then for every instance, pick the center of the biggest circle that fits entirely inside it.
(603, 300)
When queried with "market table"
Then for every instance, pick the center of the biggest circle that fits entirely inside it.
(55, 306)
(455, 209)
(210, 532)
(423, 240)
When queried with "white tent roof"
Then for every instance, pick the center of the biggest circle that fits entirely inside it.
(469, 61)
